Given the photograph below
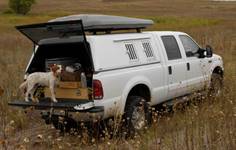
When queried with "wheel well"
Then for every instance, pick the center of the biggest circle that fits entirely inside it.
(141, 90)
(218, 70)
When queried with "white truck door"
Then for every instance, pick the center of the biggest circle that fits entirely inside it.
(176, 67)
(195, 65)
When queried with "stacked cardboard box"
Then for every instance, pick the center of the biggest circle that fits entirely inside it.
(69, 85)
(70, 90)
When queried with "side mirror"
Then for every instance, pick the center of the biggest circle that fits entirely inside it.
(209, 52)
(201, 53)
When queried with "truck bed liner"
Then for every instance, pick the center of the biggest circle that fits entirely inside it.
(46, 103)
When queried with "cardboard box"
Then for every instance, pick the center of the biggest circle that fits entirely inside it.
(68, 76)
(69, 85)
(79, 93)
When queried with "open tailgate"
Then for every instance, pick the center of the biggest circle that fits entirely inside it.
(63, 104)
(52, 30)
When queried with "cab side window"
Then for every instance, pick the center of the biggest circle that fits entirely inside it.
(171, 47)
(190, 47)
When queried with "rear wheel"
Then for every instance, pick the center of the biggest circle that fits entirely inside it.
(137, 115)
(216, 86)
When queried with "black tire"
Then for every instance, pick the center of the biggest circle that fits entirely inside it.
(55, 122)
(137, 115)
(216, 85)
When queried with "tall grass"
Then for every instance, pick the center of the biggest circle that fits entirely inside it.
(210, 124)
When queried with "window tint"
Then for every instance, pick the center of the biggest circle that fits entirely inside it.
(171, 46)
(190, 46)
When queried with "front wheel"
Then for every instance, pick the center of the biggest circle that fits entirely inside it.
(137, 115)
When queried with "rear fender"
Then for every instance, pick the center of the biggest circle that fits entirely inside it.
(130, 85)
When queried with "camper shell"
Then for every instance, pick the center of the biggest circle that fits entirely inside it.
(81, 38)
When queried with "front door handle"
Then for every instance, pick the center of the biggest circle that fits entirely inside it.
(170, 69)
(188, 66)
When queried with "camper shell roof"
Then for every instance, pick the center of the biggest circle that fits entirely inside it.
(94, 23)
(77, 25)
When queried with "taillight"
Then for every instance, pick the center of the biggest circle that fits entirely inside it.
(97, 90)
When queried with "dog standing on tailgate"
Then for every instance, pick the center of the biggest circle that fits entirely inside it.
(41, 78)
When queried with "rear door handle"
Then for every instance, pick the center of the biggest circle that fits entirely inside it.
(188, 66)
(170, 69)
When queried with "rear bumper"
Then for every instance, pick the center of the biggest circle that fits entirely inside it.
(64, 107)
(78, 116)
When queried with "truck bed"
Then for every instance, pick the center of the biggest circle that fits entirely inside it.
(64, 104)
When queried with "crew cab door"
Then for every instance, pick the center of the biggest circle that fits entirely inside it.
(176, 67)
(196, 76)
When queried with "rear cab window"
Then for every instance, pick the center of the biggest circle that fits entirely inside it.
(171, 47)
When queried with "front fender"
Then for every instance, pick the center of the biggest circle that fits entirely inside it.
(217, 62)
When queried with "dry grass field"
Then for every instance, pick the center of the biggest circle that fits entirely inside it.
(210, 124)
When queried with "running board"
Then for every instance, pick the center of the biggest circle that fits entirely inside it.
(171, 103)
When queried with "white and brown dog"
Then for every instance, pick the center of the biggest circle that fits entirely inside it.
(48, 79)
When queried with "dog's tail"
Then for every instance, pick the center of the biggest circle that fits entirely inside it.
(23, 87)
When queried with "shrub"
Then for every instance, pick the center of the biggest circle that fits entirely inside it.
(8, 11)
(21, 6)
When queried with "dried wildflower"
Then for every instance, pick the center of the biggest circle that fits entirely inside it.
(26, 140)
(12, 122)
(221, 113)
(40, 136)
(158, 141)
(93, 140)
(22, 147)
(60, 147)
(138, 142)
(68, 144)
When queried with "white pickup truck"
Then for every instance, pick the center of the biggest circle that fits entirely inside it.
(127, 70)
